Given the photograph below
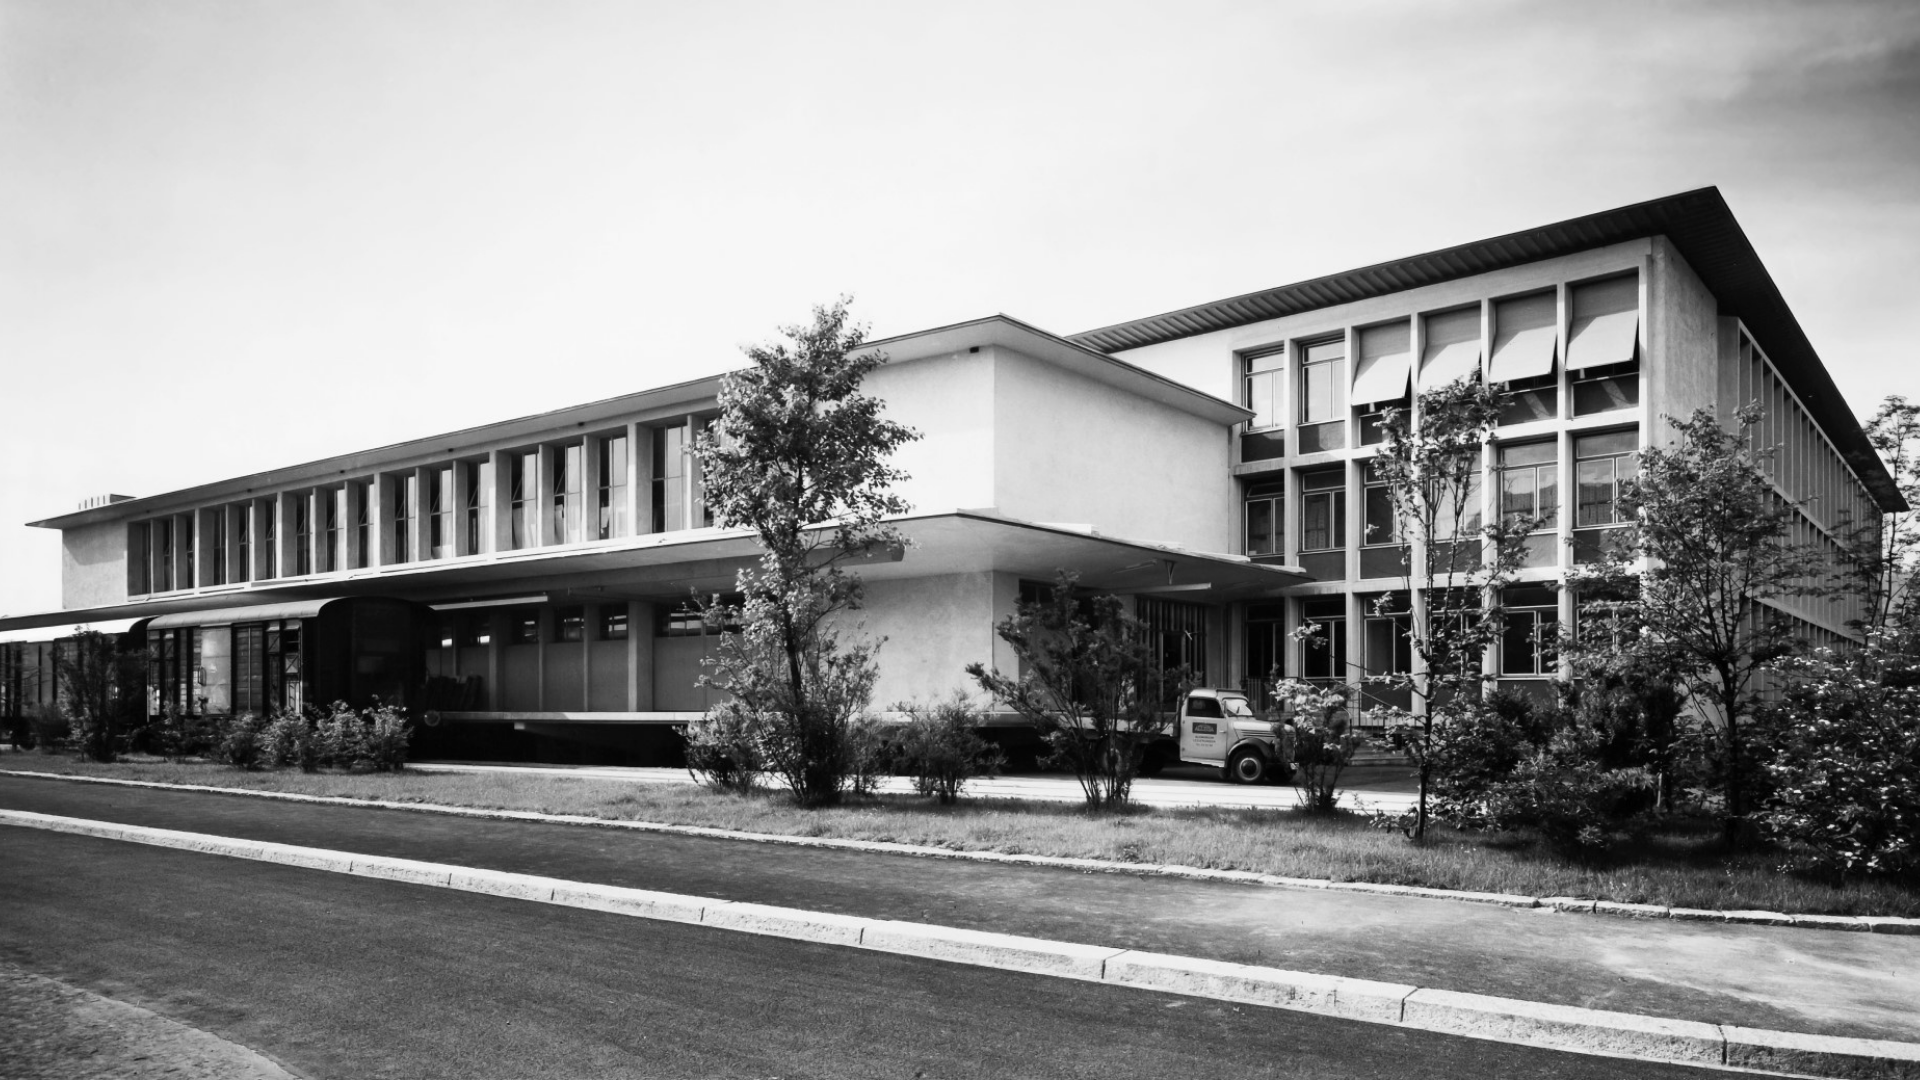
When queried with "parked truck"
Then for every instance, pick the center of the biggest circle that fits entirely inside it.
(1219, 728)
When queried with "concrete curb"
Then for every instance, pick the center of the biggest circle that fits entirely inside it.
(1559, 1027)
(1566, 904)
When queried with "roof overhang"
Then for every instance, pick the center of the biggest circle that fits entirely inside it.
(1698, 223)
(1004, 331)
(665, 567)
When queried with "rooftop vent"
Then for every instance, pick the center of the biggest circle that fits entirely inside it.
(103, 500)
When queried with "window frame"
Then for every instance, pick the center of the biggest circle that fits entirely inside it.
(1337, 511)
(1613, 458)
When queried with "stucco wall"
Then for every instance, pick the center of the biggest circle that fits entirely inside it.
(93, 565)
(676, 667)
(1682, 336)
(949, 400)
(935, 627)
(1068, 449)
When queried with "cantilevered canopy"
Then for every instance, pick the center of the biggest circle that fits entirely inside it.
(667, 566)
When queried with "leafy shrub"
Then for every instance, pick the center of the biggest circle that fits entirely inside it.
(723, 748)
(374, 738)
(1846, 772)
(941, 748)
(49, 727)
(1323, 739)
(178, 736)
(871, 753)
(238, 740)
(1477, 746)
(290, 740)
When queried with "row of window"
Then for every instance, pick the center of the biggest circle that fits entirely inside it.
(1601, 359)
(1528, 476)
(1528, 645)
(437, 512)
(528, 626)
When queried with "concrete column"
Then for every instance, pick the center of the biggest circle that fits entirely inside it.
(640, 656)
(1356, 493)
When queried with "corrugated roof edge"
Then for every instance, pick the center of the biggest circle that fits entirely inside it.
(1700, 225)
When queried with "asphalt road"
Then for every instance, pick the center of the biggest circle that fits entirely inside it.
(1794, 980)
(338, 976)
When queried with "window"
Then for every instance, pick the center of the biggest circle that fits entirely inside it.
(406, 509)
(524, 626)
(333, 511)
(302, 533)
(613, 622)
(360, 502)
(1323, 382)
(183, 527)
(443, 636)
(1459, 512)
(479, 499)
(1603, 345)
(1601, 464)
(1382, 524)
(1525, 332)
(1529, 485)
(1387, 629)
(570, 624)
(163, 555)
(243, 541)
(440, 512)
(1266, 646)
(269, 537)
(687, 620)
(1178, 633)
(1263, 387)
(566, 493)
(1323, 509)
(1528, 640)
(669, 479)
(476, 629)
(1266, 532)
(525, 467)
(612, 519)
(1325, 652)
(217, 570)
(139, 574)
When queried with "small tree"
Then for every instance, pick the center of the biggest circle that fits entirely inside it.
(1455, 560)
(1846, 770)
(1088, 688)
(96, 686)
(1881, 553)
(799, 456)
(1322, 739)
(1709, 543)
(941, 748)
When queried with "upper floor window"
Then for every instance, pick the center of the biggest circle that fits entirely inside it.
(669, 478)
(1529, 485)
(1452, 349)
(1266, 532)
(302, 533)
(1263, 374)
(1323, 382)
(333, 532)
(440, 512)
(612, 517)
(566, 493)
(269, 511)
(217, 526)
(406, 510)
(1603, 345)
(1323, 509)
(242, 542)
(479, 481)
(1381, 524)
(360, 511)
(1602, 463)
(524, 466)
(1525, 336)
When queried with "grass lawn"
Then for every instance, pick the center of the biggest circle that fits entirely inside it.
(1684, 866)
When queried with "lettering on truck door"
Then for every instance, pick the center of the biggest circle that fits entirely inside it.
(1202, 729)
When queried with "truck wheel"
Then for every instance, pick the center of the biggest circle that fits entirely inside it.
(1247, 767)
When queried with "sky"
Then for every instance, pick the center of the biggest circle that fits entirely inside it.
(241, 235)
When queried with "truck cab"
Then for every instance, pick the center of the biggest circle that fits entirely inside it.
(1219, 728)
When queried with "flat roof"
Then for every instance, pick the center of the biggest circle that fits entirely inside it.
(1698, 223)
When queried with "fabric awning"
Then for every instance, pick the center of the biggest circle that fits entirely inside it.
(1386, 363)
(297, 609)
(1452, 347)
(1606, 323)
(1524, 336)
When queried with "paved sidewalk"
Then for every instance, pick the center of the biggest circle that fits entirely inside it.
(1784, 978)
(1187, 786)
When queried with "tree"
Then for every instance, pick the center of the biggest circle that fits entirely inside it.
(1710, 546)
(800, 456)
(1455, 560)
(1882, 552)
(1089, 685)
(97, 684)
